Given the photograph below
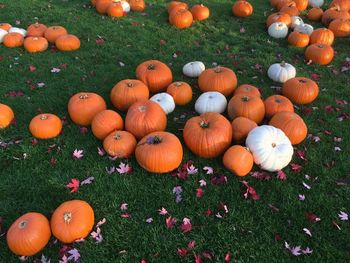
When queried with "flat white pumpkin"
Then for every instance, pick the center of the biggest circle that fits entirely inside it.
(296, 21)
(193, 69)
(304, 28)
(278, 30)
(211, 101)
(316, 3)
(22, 31)
(125, 5)
(164, 100)
(271, 148)
(2, 34)
(281, 72)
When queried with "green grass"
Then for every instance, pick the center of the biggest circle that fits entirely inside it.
(248, 230)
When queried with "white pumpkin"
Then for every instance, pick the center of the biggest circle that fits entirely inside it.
(304, 28)
(278, 30)
(164, 100)
(22, 31)
(211, 101)
(125, 5)
(316, 3)
(2, 34)
(193, 69)
(296, 21)
(281, 72)
(271, 148)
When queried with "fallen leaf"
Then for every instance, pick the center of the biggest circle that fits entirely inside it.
(74, 185)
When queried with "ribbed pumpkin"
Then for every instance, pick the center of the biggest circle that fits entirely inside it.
(174, 5)
(298, 39)
(181, 92)
(291, 124)
(83, 106)
(144, 117)
(137, 5)
(105, 122)
(13, 40)
(251, 107)
(200, 12)
(278, 17)
(208, 135)
(301, 4)
(246, 89)
(220, 79)
(319, 54)
(29, 234)
(334, 13)
(322, 36)
(5, 26)
(242, 8)
(181, 18)
(343, 4)
(241, 126)
(36, 30)
(120, 144)
(159, 152)
(340, 27)
(35, 44)
(6, 116)
(238, 160)
(300, 90)
(290, 9)
(53, 32)
(315, 14)
(45, 126)
(72, 220)
(281, 3)
(277, 103)
(102, 6)
(67, 43)
(155, 74)
(115, 10)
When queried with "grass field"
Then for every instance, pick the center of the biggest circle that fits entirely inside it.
(34, 177)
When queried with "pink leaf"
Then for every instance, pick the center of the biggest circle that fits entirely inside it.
(124, 206)
(99, 41)
(101, 151)
(163, 211)
(191, 244)
(88, 180)
(74, 255)
(170, 222)
(182, 252)
(281, 175)
(186, 225)
(124, 168)
(197, 259)
(74, 185)
(202, 183)
(199, 192)
(261, 175)
(78, 154)
(307, 251)
(301, 197)
(32, 68)
(295, 167)
(228, 257)
(343, 216)
(83, 130)
(208, 169)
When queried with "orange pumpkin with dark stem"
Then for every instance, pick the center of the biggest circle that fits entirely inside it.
(105, 122)
(301, 4)
(277, 103)
(144, 117)
(120, 144)
(36, 30)
(334, 13)
(246, 89)
(53, 32)
(13, 40)
(83, 106)
(251, 107)
(241, 126)
(340, 27)
(242, 8)
(238, 160)
(137, 5)
(208, 135)
(300, 90)
(291, 124)
(72, 220)
(155, 74)
(322, 36)
(29, 234)
(5, 26)
(6, 116)
(181, 18)
(200, 12)
(102, 6)
(315, 14)
(115, 10)
(181, 92)
(67, 43)
(342, 4)
(290, 9)
(45, 126)
(319, 54)
(298, 39)
(128, 91)
(35, 44)
(174, 5)
(279, 17)
(220, 79)
(159, 152)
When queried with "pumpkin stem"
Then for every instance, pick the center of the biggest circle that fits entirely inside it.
(217, 69)
(151, 67)
(142, 108)
(278, 101)
(283, 64)
(35, 38)
(83, 96)
(67, 217)
(204, 124)
(154, 140)
(178, 83)
(245, 98)
(130, 85)
(302, 81)
(273, 145)
(22, 224)
(43, 117)
(117, 136)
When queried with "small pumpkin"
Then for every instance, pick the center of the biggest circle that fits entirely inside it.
(36, 30)
(6, 116)
(174, 5)
(181, 18)
(120, 144)
(45, 126)
(165, 101)
(181, 92)
(334, 13)
(342, 4)
(279, 17)
(200, 12)
(290, 9)
(83, 106)
(21, 31)
(137, 5)
(246, 89)
(304, 28)
(316, 3)
(67, 43)
(115, 10)
(105, 122)
(281, 72)
(5, 26)
(298, 39)
(208, 135)
(278, 30)
(211, 101)
(277, 103)
(238, 160)
(301, 4)
(319, 54)
(159, 152)
(53, 32)
(251, 107)
(29, 234)
(340, 27)
(102, 6)
(300, 90)
(35, 44)
(241, 126)
(72, 220)
(193, 69)
(296, 21)
(315, 14)
(13, 40)
(322, 36)
(242, 8)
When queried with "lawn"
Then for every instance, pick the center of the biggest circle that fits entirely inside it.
(34, 176)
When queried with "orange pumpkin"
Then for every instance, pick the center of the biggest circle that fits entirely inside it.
(53, 32)
(246, 89)
(36, 30)
(219, 79)
(282, 3)
(67, 43)
(251, 107)
(277, 103)
(128, 91)
(208, 135)
(13, 40)
(155, 74)
(174, 5)
(298, 39)
(200, 12)
(242, 8)
(72, 220)
(120, 144)
(6, 116)
(301, 4)
(342, 4)
(181, 92)
(45, 126)
(144, 117)
(319, 54)
(137, 5)
(181, 18)
(241, 126)
(315, 14)
(115, 10)
(93, 2)
(334, 13)
(291, 124)
(102, 6)
(322, 36)
(159, 152)
(5, 26)
(300, 90)
(279, 17)
(290, 9)
(340, 27)
(29, 234)
(238, 160)
(35, 44)
(274, 2)
(105, 122)
(83, 106)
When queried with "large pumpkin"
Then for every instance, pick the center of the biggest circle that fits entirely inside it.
(45, 126)
(53, 32)
(83, 106)
(251, 107)
(35, 44)
(242, 8)
(300, 90)
(29, 234)
(320, 54)
(334, 13)
(290, 9)
(6, 116)
(241, 126)
(208, 135)
(155, 74)
(105, 122)
(277, 103)
(181, 92)
(340, 27)
(115, 10)
(120, 144)
(72, 220)
(181, 18)
(36, 30)
(343, 4)
(301, 4)
(238, 160)
(322, 36)
(102, 6)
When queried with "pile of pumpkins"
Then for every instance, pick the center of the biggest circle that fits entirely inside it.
(118, 8)
(37, 37)
(318, 42)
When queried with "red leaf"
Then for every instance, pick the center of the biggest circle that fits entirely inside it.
(199, 192)
(312, 217)
(162, 42)
(301, 154)
(74, 185)
(197, 258)
(207, 213)
(281, 175)
(99, 41)
(125, 215)
(228, 257)
(295, 167)
(191, 244)
(315, 76)
(186, 226)
(170, 222)
(261, 175)
(32, 68)
(182, 252)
